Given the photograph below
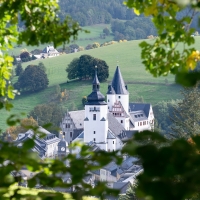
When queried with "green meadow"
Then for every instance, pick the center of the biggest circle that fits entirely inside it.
(83, 39)
(125, 54)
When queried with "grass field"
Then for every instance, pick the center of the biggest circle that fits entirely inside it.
(83, 39)
(126, 54)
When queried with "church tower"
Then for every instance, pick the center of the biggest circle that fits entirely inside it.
(118, 99)
(96, 121)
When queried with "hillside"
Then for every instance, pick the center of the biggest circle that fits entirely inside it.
(127, 55)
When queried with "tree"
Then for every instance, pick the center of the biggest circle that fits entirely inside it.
(72, 69)
(25, 56)
(83, 68)
(48, 113)
(42, 67)
(84, 100)
(24, 126)
(33, 79)
(106, 31)
(186, 115)
(19, 70)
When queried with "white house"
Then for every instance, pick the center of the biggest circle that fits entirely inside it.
(48, 146)
(108, 124)
(49, 52)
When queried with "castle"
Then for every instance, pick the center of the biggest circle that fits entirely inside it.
(107, 124)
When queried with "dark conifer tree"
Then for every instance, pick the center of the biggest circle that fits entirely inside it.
(19, 70)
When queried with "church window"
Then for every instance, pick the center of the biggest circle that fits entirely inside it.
(94, 132)
(70, 134)
(94, 117)
(121, 121)
(113, 142)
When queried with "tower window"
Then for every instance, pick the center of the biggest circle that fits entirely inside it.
(94, 117)
(94, 139)
(119, 97)
(108, 100)
(63, 133)
(70, 134)
(121, 121)
(113, 142)
(94, 132)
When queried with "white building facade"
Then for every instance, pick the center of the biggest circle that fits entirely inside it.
(108, 124)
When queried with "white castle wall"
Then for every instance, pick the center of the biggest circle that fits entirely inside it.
(124, 99)
(111, 99)
(96, 130)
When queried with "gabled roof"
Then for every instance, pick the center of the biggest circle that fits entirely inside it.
(118, 83)
(114, 125)
(110, 135)
(49, 49)
(77, 118)
(140, 106)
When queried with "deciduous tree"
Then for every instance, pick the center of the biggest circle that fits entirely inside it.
(19, 70)
(33, 79)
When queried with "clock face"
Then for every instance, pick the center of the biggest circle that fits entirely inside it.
(63, 149)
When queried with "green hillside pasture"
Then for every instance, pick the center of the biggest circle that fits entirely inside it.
(128, 55)
(83, 39)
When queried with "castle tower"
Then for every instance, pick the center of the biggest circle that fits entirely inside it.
(117, 91)
(118, 99)
(96, 122)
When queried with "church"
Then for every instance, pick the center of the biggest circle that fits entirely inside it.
(107, 122)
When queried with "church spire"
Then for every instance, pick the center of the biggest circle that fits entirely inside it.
(95, 82)
(95, 98)
(118, 83)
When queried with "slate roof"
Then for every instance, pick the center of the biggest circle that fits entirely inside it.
(76, 133)
(127, 134)
(96, 97)
(122, 186)
(77, 118)
(138, 116)
(110, 135)
(118, 83)
(110, 90)
(49, 49)
(140, 107)
(114, 125)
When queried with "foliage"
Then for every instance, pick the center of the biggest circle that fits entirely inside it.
(84, 100)
(163, 56)
(33, 79)
(42, 26)
(24, 126)
(163, 111)
(175, 174)
(138, 28)
(106, 31)
(25, 56)
(42, 67)
(83, 68)
(47, 113)
(19, 70)
(95, 45)
(186, 115)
